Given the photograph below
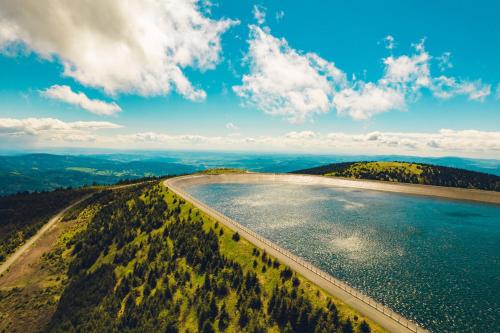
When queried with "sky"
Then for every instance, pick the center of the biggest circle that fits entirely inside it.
(331, 77)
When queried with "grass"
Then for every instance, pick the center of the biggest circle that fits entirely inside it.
(97, 172)
(27, 304)
(356, 169)
(220, 171)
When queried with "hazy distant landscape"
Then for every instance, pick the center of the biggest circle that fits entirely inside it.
(42, 171)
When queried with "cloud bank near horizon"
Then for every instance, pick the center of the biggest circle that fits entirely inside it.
(49, 132)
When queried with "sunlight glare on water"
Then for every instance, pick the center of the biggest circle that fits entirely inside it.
(434, 261)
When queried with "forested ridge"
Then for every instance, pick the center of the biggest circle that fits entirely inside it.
(21, 215)
(413, 173)
(150, 262)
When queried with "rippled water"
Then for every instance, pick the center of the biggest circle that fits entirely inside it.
(434, 261)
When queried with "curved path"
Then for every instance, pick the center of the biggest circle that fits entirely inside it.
(11, 259)
(20, 251)
(384, 316)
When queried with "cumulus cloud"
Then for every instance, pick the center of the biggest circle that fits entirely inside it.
(285, 82)
(409, 71)
(259, 13)
(446, 87)
(444, 61)
(445, 141)
(106, 44)
(67, 95)
(50, 129)
(232, 126)
(389, 42)
(38, 125)
(54, 132)
(301, 135)
(403, 78)
(367, 100)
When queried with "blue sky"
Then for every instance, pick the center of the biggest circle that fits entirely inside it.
(405, 77)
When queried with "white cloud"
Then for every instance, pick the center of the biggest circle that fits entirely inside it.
(301, 135)
(285, 82)
(295, 85)
(65, 94)
(444, 62)
(52, 130)
(446, 87)
(389, 42)
(409, 71)
(259, 13)
(232, 126)
(403, 78)
(476, 90)
(280, 15)
(471, 143)
(368, 100)
(107, 44)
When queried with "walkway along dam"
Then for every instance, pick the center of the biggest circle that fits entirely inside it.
(386, 317)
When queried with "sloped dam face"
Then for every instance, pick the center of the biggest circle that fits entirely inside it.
(435, 261)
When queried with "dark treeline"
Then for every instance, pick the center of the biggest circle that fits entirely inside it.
(21, 215)
(146, 264)
(139, 180)
(427, 175)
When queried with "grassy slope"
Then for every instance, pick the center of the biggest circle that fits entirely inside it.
(241, 252)
(414, 173)
(22, 215)
(220, 171)
(27, 304)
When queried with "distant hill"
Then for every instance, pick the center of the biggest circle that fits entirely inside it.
(46, 172)
(405, 172)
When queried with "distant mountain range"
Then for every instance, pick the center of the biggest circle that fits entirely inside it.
(413, 173)
(42, 171)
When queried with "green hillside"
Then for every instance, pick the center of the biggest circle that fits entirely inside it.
(46, 172)
(221, 171)
(413, 173)
(21, 215)
(142, 259)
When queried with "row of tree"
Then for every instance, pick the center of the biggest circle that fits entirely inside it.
(146, 264)
(402, 172)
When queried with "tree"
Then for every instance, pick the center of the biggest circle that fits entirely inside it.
(347, 326)
(207, 327)
(364, 327)
(223, 318)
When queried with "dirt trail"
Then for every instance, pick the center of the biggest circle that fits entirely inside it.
(20, 252)
(26, 246)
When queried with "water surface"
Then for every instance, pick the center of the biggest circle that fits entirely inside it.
(435, 261)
